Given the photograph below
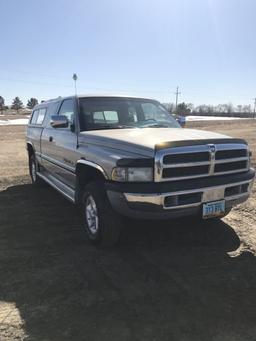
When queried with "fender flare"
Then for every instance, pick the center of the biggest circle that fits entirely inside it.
(31, 144)
(90, 164)
(94, 165)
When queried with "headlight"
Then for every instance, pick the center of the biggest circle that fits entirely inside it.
(132, 174)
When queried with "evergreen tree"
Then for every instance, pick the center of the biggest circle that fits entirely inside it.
(32, 102)
(17, 104)
(183, 109)
(1, 104)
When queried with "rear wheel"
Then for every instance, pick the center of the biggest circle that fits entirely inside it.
(33, 169)
(102, 224)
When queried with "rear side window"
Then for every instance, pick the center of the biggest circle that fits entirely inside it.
(41, 116)
(105, 117)
(38, 116)
(34, 116)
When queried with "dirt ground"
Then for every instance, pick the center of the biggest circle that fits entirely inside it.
(177, 280)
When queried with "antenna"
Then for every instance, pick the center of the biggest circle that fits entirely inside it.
(75, 79)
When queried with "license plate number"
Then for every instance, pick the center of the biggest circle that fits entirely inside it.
(213, 209)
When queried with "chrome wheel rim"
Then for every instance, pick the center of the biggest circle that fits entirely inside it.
(91, 215)
(33, 170)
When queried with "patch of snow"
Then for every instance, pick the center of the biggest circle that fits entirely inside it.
(18, 121)
(212, 118)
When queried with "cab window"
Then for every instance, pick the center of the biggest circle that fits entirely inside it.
(52, 109)
(67, 109)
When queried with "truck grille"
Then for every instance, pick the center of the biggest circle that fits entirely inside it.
(200, 161)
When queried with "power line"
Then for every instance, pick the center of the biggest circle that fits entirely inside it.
(128, 90)
(34, 82)
(36, 74)
(92, 87)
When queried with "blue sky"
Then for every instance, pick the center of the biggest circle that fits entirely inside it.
(138, 47)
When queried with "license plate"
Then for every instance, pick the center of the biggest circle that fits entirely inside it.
(213, 209)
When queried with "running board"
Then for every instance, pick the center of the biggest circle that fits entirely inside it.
(68, 192)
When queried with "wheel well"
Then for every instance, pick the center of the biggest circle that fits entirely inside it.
(84, 175)
(30, 150)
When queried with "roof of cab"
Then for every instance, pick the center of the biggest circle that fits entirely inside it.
(92, 96)
(112, 96)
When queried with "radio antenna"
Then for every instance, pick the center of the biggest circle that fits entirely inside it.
(75, 79)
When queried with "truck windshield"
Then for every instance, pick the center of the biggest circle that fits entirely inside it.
(119, 113)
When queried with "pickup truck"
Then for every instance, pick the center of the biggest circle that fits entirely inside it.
(121, 156)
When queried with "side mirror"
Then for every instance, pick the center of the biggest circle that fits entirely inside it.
(59, 121)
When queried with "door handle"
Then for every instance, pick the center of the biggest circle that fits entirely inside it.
(50, 138)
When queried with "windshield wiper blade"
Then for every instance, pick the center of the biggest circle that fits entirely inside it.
(158, 125)
(125, 126)
(102, 127)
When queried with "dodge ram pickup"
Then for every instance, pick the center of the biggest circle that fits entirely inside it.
(122, 156)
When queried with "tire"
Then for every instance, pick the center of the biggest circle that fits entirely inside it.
(33, 169)
(102, 224)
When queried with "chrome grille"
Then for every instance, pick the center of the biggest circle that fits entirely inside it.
(197, 161)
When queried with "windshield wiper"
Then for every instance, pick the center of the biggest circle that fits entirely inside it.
(156, 125)
(102, 127)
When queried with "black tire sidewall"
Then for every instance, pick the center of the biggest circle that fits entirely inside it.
(37, 180)
(31, 161)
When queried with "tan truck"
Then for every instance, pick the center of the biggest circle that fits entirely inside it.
(122, 156)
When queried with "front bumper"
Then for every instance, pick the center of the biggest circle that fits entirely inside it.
(180, 198)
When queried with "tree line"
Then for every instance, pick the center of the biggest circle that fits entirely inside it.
(226, 109)
(17, 104)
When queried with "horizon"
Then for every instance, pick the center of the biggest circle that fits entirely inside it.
(235, 108)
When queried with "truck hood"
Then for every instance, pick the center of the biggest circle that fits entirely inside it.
(147, 138)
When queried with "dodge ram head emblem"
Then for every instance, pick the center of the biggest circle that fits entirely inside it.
(212, 148)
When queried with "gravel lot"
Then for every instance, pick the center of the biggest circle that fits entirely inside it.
(178, 280)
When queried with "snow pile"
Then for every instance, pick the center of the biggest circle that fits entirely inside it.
(18, 121)
(211, 118)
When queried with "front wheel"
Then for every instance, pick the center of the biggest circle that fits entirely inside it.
(102, 224)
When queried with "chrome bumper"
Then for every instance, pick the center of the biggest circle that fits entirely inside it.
(235, 192)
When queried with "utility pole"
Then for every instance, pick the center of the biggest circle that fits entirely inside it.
(75, 79)
(177, 93)
(254, 109)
